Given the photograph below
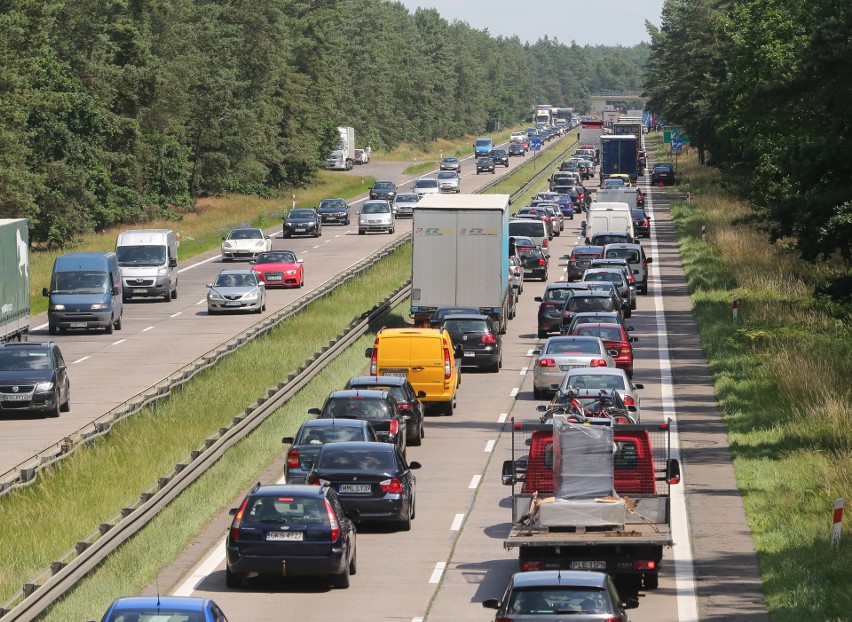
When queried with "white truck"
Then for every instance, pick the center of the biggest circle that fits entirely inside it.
(543, 114)
(618, 195)
(614, 217)
(343, 158)
(460, 256)
(14, 279)
(148, 260)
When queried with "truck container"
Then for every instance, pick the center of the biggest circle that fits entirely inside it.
(592, 498)
(631, 126)
(15, 283)
(619, 195)
(619, 154)
(460, 255)
(343, 158)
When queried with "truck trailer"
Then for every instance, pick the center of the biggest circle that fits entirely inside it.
(15, 283)
(460, 256)
(619, 154)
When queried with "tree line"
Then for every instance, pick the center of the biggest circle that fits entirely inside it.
(120, 110)
(762, 87)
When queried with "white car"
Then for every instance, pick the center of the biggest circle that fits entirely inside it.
(607, 379)
(245, 244)
(404, 204)
(449, 181)
(562, 354)
(376, 215)
(426, 185)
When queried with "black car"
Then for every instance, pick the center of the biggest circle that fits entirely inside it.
(33, 378)
(334, 210)
(534, 262)
(517, 149)
(291, 531)
(302, 222)
(570, 166)
(583, 302)
(313, 434)
(663, 173)
(484, 165)
(602, 238)
(442, 312)
(580, 260)
(383, 189)
(479, 339)
(378, 407)
(551, 305)
(641, 223)
(406, 398)
(500, 156)
(374, 481)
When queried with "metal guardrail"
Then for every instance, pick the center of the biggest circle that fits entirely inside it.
(35, 596)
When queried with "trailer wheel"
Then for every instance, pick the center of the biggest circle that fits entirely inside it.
(650, 581)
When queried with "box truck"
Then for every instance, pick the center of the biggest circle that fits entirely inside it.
(461, 255)
(148, 260)
(619, 154)
(15, 283)
(343, 158)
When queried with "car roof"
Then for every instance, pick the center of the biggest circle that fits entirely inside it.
(385, 381)
(300, 490)
(595, 294)
(29, 345)
(622, 245)
(373, 394)
(465, 316)
(583, 578)
(597, 371)
(237, 271)
(587, 249)
(186, 603)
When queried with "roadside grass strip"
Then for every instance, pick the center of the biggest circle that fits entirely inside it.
(39, 523)
(783, 379)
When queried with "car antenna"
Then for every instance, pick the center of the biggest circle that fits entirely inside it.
(157, 583)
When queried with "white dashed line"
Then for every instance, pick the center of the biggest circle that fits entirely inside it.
(438, 572)
(416, 619)
(338, 235)
(304, 251)
(317, 246)
(45, 325)
(457, 522)
(145, 330)
(201, 302)
(489, 447)
(524, 370)
(203, 571)
(513, 392)
(327, 241)
(80, 360)
(115, 343)
(531, 352)
(200, 263)
(176, 314)
(474, 481)
(502, 417)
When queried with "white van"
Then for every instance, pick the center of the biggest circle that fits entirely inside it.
(609, 217)
(148, 260)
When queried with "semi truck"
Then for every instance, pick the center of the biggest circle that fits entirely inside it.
(15, 283)
(343, 158)
(619, 154)
(543, 113)
(630, 126)
(460, 256)
(592, 497)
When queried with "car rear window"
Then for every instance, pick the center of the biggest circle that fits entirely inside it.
(358, 408)
(610, 277)
(285, 509)
(579, 346)
(558, 600)
(596, 381)
(527, 251)
(557, 294)
(330, 434)
(357, 460)
(531, 229)
(580, 304)
(157, 614)
(466, 326)
(607, 333)
(630, 254)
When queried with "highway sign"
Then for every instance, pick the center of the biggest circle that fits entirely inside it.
(535, 144)
(677, 144)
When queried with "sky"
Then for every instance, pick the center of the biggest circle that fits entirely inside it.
(612, 22)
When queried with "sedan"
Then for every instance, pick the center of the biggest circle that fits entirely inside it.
(617, 276)
(33, 378)
(279, 269)
(641, 223)
(404, 204)
(147, 608)
(560, 354)
(449, 181)
(407, 399)
(500, 156)
(313, 434)
(334, 211)
(383, 189)
(374, 405)
(484, 165)
(451, 164)
(606, 378)
(517, 149)
(615, 339)
(291, 531)
(551, 306)
(373, 480)
(245, 244)
(302, 222)
(236, 290)
(663, 173)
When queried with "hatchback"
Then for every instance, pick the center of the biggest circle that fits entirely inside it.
(450, 164)
(373, 480)
(641, 222)
(376, 215)
(426, 185)
(663, 173)
(484, 165)
(291, 531)
(551, 304)
(580, 260)
(596, 317)
(500, 156)
(589, 301)
(404, 204)
(407, 399)
(534, 262)
(312, 435)
(302, 222)
(606, 378)
(617, 276)
(33, 378)
(479, 339)
(517, 149)
(155, 608)
(376, 406)
(449, 181)
(333, 210)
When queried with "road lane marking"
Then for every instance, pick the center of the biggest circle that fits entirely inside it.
(304, 251)
(457, 522)
(337, 236)
(145, 330)
(474, 481)
(329, 240)
(200, 263)
(115, 343)
(524, 371)
(81, 360)
(438, 572)
(201, 302)
(45, 325)
(176, 314)
(502, 417)
(530, 352)
(317, 246)
(513, 392)
(489, 447)
(216, 557)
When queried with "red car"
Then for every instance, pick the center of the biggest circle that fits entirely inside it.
(279, 269)
(615, 339)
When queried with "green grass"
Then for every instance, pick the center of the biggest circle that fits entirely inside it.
(782, 379)
(421, 167)
(94, 484)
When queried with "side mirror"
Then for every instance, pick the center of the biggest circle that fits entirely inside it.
(208, 285)
(673, 471)
(300, 261)
(368, 353)
(314, 411)
(289, 440)
(507, 476)
(252, 261)
(421, 394)
(491, 603)
(173, 262)
(639, 385)
(232, 512)
(414, 466)
(630, 602)
(649, 260)
(45, 292)
(629, 328)
(633, 339)
(116, 290)
(537, 299)
(554, 387)
(541, 408)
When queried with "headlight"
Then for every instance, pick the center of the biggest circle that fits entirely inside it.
(57, 307)
(290, 272)
(252, 296)
(260, 243)
(226, 245)
(162, 272)
(44, 386)
(214, 296)
(98, 305)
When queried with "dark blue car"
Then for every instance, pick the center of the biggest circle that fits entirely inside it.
(142, 608)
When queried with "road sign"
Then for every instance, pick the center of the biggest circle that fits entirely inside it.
(677, 145)
(535, 144)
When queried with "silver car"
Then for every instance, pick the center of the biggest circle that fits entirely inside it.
(516, 274)
(426, 185)
(375, 215)
(620, 278)
(449, 181)
(451, 164)
(404, 204)
(236, 290)
(606, 378)
(562, 354)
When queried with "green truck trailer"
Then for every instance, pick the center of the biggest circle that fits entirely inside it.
(15, 281)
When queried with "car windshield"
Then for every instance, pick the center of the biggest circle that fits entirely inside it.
(426, 183)
(530, 229)
(461, 327)
(638, 213)
(447, 175)
(375, 208)
(284, 509)
(579, 304)
(79, 282)
(246, 234)
(276, 257)
(663, 167)
(450, 160)
(235, 280)
(357, 460)
(153, 613)
(383, 185)
(332, 203)
(558, 600)
(596, 381)
(358, 408)
(19, 360)
(320, 435)
(483, 142)
(613, 183)
(141, 255)
(407, 198)
(572, 346)
(629, 254)
(301, 213)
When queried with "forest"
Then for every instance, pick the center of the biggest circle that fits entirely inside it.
(762, 88)
(120, 110)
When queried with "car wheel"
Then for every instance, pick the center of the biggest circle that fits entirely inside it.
(109, 326)
(211, 311)
(66, 405)
(167, 297)
(651, 581)
(392, 230)
(232, 579)
(361, 232)
(417, 439)
(117, 323)
(448, 408)
(628, 313)
(643, 290)
(57, 406)
(302, 282)
(405, 523)
(286, 236)
(174, 293)
(52, 329)
(495, 367)
(542, 334)
(353, 563)
(125, 298)
(341, 581)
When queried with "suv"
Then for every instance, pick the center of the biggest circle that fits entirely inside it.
(551, 305)
(619, 277)
(485, 165)
(636, 259)
(500, 156)
(301, 529)
(383, 189)
(33, 378)
(583, 302)
(376, 406)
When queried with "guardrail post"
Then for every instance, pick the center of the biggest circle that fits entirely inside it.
(28, 589)
(56, 567)
(80, 547)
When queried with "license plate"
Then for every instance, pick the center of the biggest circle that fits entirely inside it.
(596, 565)
(568, 367)
(15, 398)
(78, 324)
(469, 354)
(301, 230)
(291, 536)
(232, 304)
(359, 489)
(395, 374)
(138, 291)
(528, 271)
(273, 278)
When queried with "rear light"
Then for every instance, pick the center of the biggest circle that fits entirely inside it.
(547, 305)
(629, 401)
(447, 367)
(644, 564)
(316, 481)
(547, 363)
(488, 338)
(374, 366)
(631, 278)
(544, 243)
(542, 262)
(626, 349)
(597, 363)
(332, 519)
(646, 223)
(405, 407)
(293, 461)
(644, 264)
(392, 485)
(394, 427)
(614, 619)
(238, 519)
(532, 566)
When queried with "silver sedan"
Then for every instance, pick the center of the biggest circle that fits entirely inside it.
(236, 290)
(559, 355)
(606, 378)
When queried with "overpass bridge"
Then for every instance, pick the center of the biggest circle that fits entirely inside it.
(615, 98)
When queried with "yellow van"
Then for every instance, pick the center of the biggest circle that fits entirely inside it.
(423, 355)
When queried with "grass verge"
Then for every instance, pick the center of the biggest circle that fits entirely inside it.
(421, 167)
(94, 484)
(782, 379)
